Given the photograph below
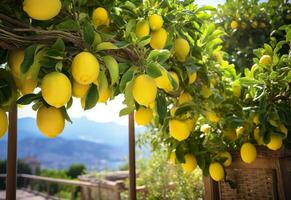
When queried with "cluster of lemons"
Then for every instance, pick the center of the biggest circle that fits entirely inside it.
(56, 88)
(234, 24)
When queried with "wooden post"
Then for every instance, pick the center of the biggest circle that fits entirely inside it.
(132, 174)
(11, 181)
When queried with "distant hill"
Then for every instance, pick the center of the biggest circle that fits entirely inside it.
(98, 145)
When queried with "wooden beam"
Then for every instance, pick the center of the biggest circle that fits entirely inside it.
(132, 173)
(11, 169)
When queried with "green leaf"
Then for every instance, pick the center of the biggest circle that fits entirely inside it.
(106, 46)
(144, 41)
(126, 111)
(160, 56)
(130, 27)
(185, 108)
(59, 45)
(127, 76)
(161, 107)
(28, 58)
(28, 99)
(92, 97)
(65, 114)
(113, 68)
(88, 33)
(128, 97)
(154, 70)
(68, 25)
(70, 103)
(249, 81)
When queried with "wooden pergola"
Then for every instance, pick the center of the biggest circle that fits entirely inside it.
(11, 180)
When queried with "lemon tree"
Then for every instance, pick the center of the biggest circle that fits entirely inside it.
(166, 59)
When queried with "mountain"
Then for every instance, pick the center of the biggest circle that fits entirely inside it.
(98, 145)
(60, 153)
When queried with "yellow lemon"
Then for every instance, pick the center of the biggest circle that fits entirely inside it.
(192, 77)
(143, 116)
(230, 135)
(240, 131)
(265, 60)
(190, 163)
(100, 16)
(163, 81)
(255, 24)
(159, 39)
(28, 86)
(42, 10)
(144, 90)
(228, 157)
(181, 49)
(142, 29)
(80, 90)
(283, 129)
(205, 128)
(56, 89)
(179, 129)
(256, 119)
(50, 121)
(15, 59)
(254, 68)
(233, 24)
(185, 97)
(3, 122)
(248, 153)
(216, 171)
(104, 95)
(243, 25)
(85, 68)
(172, 158)
(236, 89)
(275, 143)
(156, 22)
(212, 116)
(205, 91)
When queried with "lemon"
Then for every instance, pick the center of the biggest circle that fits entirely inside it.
(3, 122)
(256, 119)
(190, 123)
(243, 25)
(85, 68)
(56, 89)
(265, 60)
(79, 90)
(228, 157)
(104, 95)
(205, 128)
(143, 116)
(254, 68)
(212, 116)
(283, 129)
(192, 77)
(233, 24)
(240, 131)
(50, 121)
(205, 91)
(185, 97)
(257, 136)
(28, 86)
(230, 135)
(179, 129)
(42, 10)
(255, 24)
(159, 39)
(190, 163)
(100, 16)
(172, 158)
(181, 49)
(216, 171)
(156, 22)
(163, 81)
(15, 59)
(275, 143)
(144, 90)
(248, 153)
(142, 29)
(236, 89)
